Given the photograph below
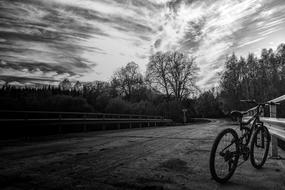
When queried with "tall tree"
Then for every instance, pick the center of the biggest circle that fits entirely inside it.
(65, 84)
(183, 73)
(158, 72)
(230, 82)
(280, 59)
(78, 86)
(127, 79)
(173, 73)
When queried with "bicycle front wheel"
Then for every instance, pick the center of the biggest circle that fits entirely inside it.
(259, 147)
(224, 156)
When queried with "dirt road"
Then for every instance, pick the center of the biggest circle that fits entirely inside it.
(148, 158)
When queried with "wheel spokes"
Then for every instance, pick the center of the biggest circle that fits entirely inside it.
(260, 145)
(225, 156)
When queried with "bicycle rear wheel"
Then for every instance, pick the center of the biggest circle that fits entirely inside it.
(259, 147)
(224, 155)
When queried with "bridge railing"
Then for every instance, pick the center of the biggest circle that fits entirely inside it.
(275, 125)
(6, 114)
(9, 119)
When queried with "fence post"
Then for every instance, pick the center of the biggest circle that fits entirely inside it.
(118, 124)
(27, 132)
(262, 112)
(84, 125)
(59, 126)
(274, 141)
(103, 124)
(140, 124)
(273, 110)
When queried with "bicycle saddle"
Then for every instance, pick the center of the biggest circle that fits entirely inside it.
(237, 113)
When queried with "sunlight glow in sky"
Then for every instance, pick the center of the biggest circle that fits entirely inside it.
(46, 41)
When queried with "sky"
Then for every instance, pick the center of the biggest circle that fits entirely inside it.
(46, 41)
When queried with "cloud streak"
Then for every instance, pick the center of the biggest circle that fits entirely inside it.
(89, 39)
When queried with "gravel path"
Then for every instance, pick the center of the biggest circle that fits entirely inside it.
(147, 158)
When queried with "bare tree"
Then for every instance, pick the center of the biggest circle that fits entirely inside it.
(183, 74)
(78, 86)
(157, 72)
(65, 84)
(173, 73)
(127, 79)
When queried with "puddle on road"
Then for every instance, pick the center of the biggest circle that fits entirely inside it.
(175, 164)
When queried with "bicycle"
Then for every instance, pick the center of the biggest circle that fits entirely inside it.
(228, 146)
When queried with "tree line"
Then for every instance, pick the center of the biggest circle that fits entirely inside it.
(260, 78)
(168, 86)
(164, 90)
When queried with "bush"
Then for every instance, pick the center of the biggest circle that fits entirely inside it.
(171, 110)
(117, 105)
(143, 108)
(102, 101)
(67, 103)
(10, 103)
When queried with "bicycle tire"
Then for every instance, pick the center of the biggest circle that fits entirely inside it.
(266, 134)
(213, 169)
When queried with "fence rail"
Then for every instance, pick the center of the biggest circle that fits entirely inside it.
(7, 113)
(22, 119)
(275, 125)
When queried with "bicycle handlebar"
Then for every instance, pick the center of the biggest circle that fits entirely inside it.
(273, 103)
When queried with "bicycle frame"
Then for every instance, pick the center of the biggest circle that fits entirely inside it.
(256, 123)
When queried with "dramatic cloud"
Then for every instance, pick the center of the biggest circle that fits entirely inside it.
(89, 39)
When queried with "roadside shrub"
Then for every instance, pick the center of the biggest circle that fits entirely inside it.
(144, 108)
(67, 103)
(102, 101)
(10, 103)
(118, 105)
(171, 109)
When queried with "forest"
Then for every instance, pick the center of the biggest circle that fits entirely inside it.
(261, 79)
(167, 87)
